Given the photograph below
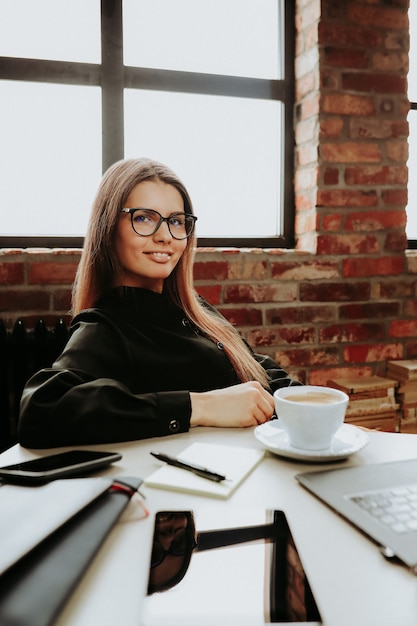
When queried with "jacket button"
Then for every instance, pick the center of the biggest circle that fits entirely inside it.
(174, 426)
(220, 345)
(184, 321)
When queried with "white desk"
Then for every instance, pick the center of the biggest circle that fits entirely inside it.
(353, 585)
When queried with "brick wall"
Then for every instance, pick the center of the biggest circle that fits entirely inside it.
(345, 300)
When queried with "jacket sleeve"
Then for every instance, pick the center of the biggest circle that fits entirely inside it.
(82, 400)
(277, 376)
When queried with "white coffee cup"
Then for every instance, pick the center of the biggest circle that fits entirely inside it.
(310, 414)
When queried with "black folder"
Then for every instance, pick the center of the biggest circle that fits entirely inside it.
(34, 590)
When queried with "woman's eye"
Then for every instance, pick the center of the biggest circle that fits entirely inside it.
(177, 222)
(142, 219)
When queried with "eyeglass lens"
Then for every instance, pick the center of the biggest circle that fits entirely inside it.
(178, 547)
(146, 222)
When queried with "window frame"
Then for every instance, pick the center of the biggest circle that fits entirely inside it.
(113, 77)
(412, 243)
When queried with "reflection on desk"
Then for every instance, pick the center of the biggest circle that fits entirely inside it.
(287, 593)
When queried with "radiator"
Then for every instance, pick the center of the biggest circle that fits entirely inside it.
(22, 353)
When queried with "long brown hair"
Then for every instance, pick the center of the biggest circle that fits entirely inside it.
(99, 263)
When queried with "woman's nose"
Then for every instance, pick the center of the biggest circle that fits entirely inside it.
(163, 233)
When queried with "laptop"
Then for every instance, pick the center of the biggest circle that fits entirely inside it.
(380, 499)
(31, 514)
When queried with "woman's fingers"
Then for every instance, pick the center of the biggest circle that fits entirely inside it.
(246, 404)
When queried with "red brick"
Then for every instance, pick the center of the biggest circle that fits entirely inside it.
(263, 337)
(379, 16)
(334, 292)
(375, 220)
(323, 376)
(343, 333)
(346, 57)
(301, 314)
(397, 151)
(372, 352)
(400, 128)
(247, 268)
(370, 310)
(331, 127)
(294, 335)
(242, 316)
(348, 104)
(211, 293)
(392, 61)
(371, 128)
(287, 270)
(403, 328)
(346, 198)
(376, 175)
(297, 336)
(395, 289)
(331, 222)
(396, 241)
(395, 197)
(365, 266)
(210, 270)
(344, 34)
(12, 273)
(375, 83)
(411, 350)
(258, 293)
(299, 357)
(331, 176)
(347, 244)
(52, 273)
(351, 151)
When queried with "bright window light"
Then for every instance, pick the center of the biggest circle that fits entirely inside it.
(51, 151)
(57, 30)
(226, 150)
(231, 37)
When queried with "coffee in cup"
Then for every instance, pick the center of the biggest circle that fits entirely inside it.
(310, 415)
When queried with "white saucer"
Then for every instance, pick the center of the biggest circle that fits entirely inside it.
(348, 440)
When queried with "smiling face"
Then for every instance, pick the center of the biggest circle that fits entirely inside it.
(147, 261)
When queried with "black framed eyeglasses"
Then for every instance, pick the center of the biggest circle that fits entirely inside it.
(183, 543)
(145, 222)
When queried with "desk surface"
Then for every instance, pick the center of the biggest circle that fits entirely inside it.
(353, 585)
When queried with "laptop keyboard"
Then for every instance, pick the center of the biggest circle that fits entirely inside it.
(395, 507)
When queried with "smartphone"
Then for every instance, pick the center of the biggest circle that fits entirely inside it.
(62, 465)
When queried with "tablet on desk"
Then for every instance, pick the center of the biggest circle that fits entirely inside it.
(64, 464)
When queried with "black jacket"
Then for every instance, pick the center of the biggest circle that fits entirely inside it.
(126, 373)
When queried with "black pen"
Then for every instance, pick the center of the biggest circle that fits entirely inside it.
(195, 469)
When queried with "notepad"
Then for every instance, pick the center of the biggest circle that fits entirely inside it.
(233, 462)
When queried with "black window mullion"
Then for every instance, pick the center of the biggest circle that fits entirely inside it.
(44, 71)
(112, 82)
(208, 84)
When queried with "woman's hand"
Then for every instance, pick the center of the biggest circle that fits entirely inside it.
(247, 404)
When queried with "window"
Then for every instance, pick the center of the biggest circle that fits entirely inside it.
(412, 121)
(206, 87)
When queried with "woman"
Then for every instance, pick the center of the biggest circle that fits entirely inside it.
(146, 356)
